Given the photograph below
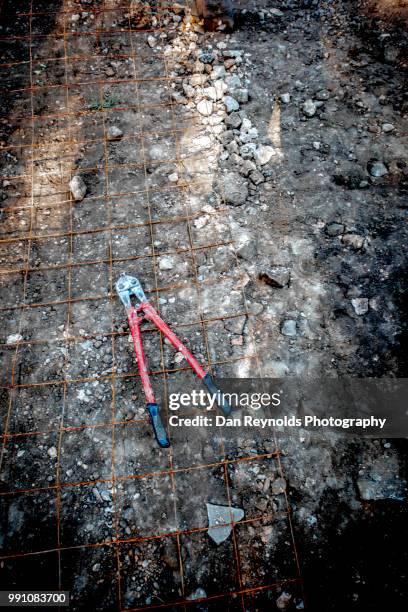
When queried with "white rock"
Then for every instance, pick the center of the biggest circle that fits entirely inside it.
(263, 154)
(360, 306)
(52, 452)
(201, 222)
(285, 98)
(210, 93)
(114, 133)
(198, 79)
(231, 104)
(309, 108)
(151, 41)
(173, 178)
(205, 107)
(78, 188)
(220, 88)
(14, 338)
(388, 127)
(165, 263)
(218, 72)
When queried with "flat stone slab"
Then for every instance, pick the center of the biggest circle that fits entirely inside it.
(219, 521)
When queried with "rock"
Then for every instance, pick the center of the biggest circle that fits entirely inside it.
(165, 263)
(277, 276)
(377, 168)
(350, 177)
(109, 71)
(241, 95)
(206, 57)
(78, 188)
(276, 12)
(198, 594)
(288, 328)
(218, 72)
(263, 154)
(173, 178)
(285, 98)
(52, 452)
(198, 79)
(322, 95)
(257, 177)
(247, 151)
(210, 93)
(151, 41)
(114, 133)
(387, 127)
(354, 240)
(309, 108)
(231, 104)
(205, 107)
(234, 188)
(360, 306)
(283, 601)
(334, 229)
(219, 521)
(229, 63)
(233, 120)
(14, 338)
(278, 486)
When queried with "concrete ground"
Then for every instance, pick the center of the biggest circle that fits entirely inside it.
(255, 183)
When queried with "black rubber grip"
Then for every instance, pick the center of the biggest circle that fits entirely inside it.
(159, 430)
(212, 387)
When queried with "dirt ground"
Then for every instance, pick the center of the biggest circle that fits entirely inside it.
(256, 183)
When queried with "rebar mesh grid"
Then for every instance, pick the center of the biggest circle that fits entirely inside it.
(60, 260)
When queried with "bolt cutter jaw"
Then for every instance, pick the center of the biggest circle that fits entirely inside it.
(128, 286)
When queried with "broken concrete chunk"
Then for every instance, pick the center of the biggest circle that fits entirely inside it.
(165, 263)
(377, 168)
(231, 104)
(114, 133)
(278, 486)
(219, 521)
(205, 107)
(360, 306)
(309, 108)
(263, 154)
(353, 240)
(289, 328)
(78, 188)
(234, 188)
(277, 276)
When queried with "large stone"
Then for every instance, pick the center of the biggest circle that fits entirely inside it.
(231, 104)
(114, 133)
(78, 188)
(360, 306)
(277, 276)
(205, 107)
(220, 519)
(234, 188)
(263, 154)
(377, 168)
(309, 108)
(289, 328)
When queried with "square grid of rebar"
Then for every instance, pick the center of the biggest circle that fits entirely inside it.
(86, 494)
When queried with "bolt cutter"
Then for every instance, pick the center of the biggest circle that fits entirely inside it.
(129, 287)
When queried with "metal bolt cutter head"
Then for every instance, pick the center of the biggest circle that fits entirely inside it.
(129, 287)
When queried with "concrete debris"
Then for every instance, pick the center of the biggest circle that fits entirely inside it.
(309, 108)
(78, 188)
(376, 168)
(231, 104)
(277, 276)
(14, 338)
(283, 601)
(165, 263)
(360, 306)
(205, 107)
(234, 188)
(353, 240)
(114, 133)
(289, 328)
(264, 154)
(219, 521)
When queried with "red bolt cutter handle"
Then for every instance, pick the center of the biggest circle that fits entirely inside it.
(134, 323)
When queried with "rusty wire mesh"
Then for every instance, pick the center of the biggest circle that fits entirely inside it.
(62, 258)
